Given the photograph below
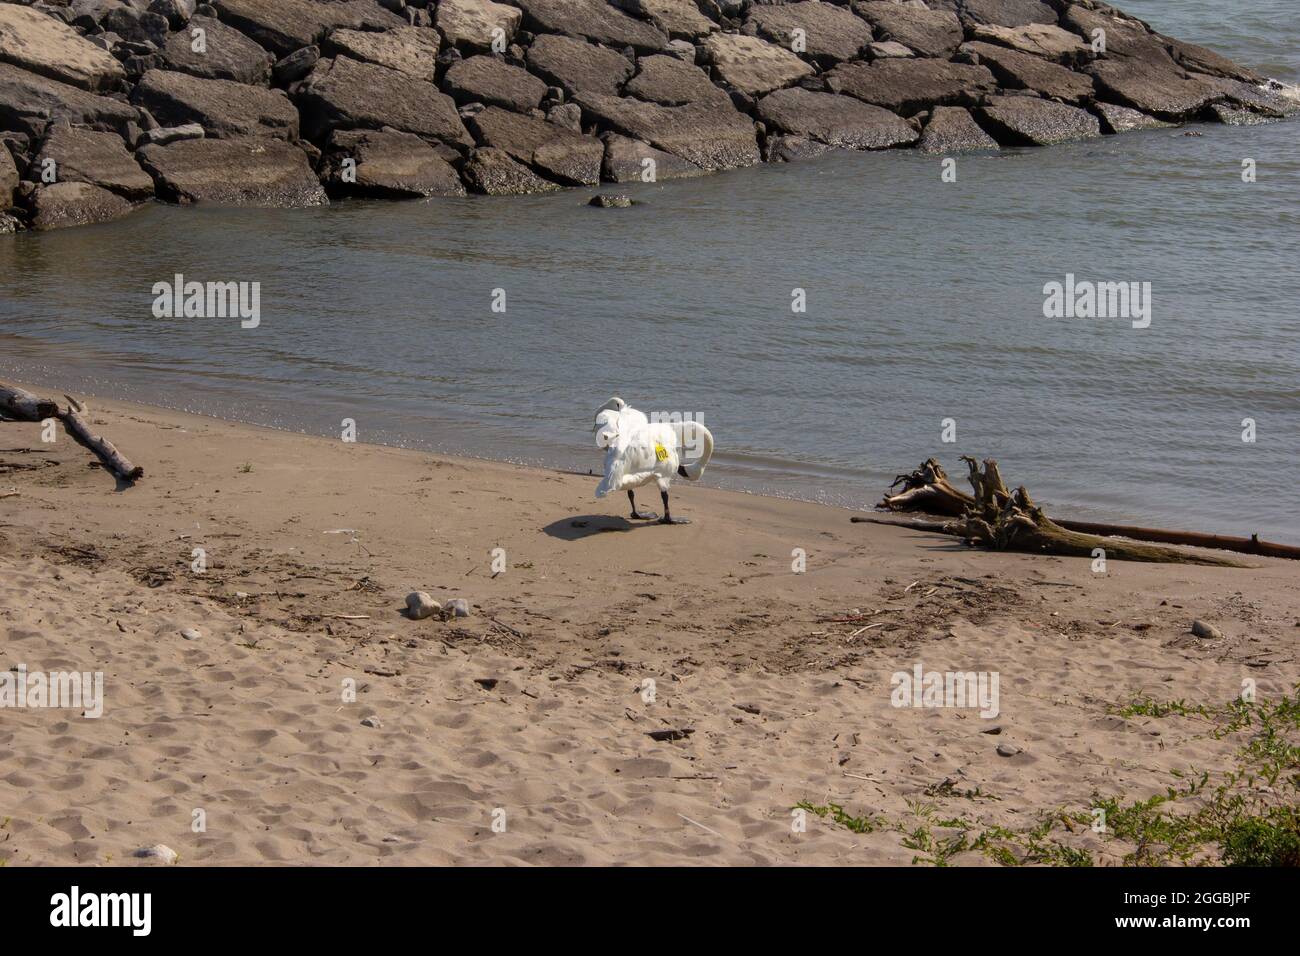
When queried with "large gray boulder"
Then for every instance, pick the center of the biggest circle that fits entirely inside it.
(40, 43)
(578, 66)
(61, 205)
(1198, 59)
(485, 79)
(1250, 95)
(8, 178)
(830, 33)
(471, 24)
(233, 172)
(409, 50)
(29, 102)
(680, 19)
(1125, 36)
(88, 15)
(1046, 40)
(135, 25)
(560, 154)
(787, 148)
(672, 82)
(712, 136)
(1007, 13)
(494, 172)
(1021, 71)
(223, 108)
(951, 129)
(1030, 121)
(1122, 119)
(347, 94)
(626, 161)
(387, 164)
(752, 65)
(1162, 89)
(594, 19)
(910, 85)
(283, 26)
(101, 159)
(928, 32)
(1231, 115)
(177, 12)
(226, 53)
(834, 120)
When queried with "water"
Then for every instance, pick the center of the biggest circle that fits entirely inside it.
(924, 303)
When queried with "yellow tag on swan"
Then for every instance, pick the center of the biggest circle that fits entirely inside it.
(661, 453)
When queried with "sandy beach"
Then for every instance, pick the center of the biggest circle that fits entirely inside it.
(522, 734)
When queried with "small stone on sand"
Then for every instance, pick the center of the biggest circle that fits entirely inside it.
(159, 851)
(419, 605)
(1206, 630)
(190, 633)
(371, 721)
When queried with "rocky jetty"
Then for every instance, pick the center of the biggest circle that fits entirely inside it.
(105, 104)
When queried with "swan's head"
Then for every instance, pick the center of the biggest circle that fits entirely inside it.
(606, 428)
(615, 404)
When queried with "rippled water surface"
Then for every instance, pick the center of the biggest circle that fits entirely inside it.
(924, 303)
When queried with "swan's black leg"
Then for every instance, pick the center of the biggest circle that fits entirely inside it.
(640, 515)
(668, 518)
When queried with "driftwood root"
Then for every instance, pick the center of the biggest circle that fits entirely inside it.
(1000, 519)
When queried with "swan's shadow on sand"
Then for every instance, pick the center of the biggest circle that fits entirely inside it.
(577, 527)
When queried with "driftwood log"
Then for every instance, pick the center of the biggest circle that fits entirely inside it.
(20, 405)
(1004, 520)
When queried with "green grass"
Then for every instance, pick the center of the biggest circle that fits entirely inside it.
(1250, 817)
(1150, 707)
(865, 824)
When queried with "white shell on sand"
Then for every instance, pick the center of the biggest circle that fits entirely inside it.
(371, 721)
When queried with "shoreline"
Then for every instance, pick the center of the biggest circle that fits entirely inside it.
(535, 703)
(844, 489)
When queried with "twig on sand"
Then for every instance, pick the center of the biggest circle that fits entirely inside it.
(506, 627)
(347, 617)
(701, 826)
(867, 628)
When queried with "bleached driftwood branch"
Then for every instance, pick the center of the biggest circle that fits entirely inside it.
(21, 405)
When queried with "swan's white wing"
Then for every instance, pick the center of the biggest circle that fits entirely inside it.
(629, 464)
(633, 419)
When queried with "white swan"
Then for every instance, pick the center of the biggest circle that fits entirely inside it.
(638, 453)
